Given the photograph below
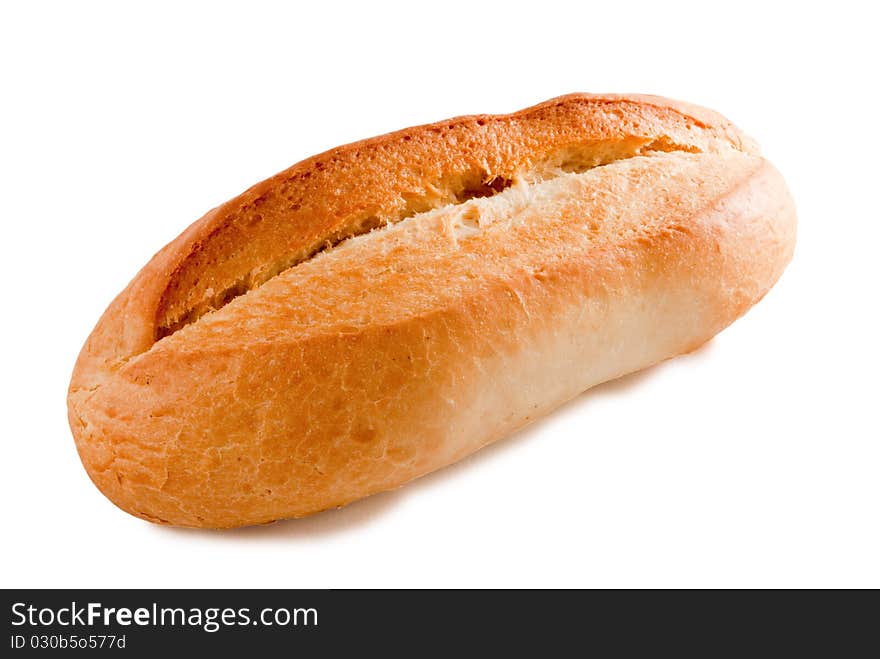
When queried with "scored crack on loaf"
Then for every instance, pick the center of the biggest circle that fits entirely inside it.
(383, 309)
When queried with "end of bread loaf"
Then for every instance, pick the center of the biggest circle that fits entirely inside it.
(383, 309)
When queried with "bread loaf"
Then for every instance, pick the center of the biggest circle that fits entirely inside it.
(388, 307)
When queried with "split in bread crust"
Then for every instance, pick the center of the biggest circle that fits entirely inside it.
(383, 309)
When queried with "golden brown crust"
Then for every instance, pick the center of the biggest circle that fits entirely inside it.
(297, 211)
(402, 350)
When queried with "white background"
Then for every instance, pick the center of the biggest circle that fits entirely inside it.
(753, 462)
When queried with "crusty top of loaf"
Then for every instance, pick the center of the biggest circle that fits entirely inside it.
(437, 259)
(353, 189)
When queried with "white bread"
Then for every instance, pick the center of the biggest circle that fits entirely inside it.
(384, 309)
